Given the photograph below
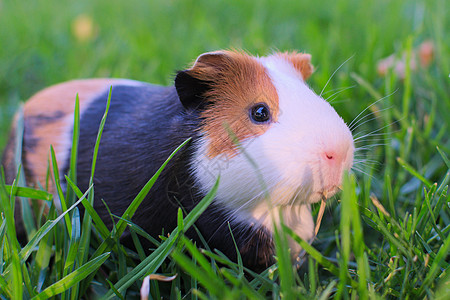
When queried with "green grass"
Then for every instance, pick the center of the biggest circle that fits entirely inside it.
(385, 236)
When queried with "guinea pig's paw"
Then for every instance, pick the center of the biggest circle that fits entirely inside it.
(259, 250)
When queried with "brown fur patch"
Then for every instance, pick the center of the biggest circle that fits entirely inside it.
(300, 61)
(238, 81)
(48, 117)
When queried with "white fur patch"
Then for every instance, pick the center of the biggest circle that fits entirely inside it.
(297, 159)
(297, 217)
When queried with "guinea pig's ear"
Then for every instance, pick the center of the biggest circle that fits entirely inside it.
(301, 62)
(191, 84)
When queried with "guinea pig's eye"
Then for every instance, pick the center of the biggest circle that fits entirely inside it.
(260, 113)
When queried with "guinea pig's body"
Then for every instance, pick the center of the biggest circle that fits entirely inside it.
(293, 147)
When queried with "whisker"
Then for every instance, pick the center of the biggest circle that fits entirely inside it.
(378, 137)
(340, 90)
(356, 118)
(373, 139)
(336, 89)
(361, 171)
(373, 133)
(352, 128)
(370, 166)
(366, 143)
(366, 166)
(332, 75)
(336, 97)
(363, 162)
(369, 147)
(340, 101)
(366, 161)
(300, 190)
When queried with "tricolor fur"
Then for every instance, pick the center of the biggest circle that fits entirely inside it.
(282, 164)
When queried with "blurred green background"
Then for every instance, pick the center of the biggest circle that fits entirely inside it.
(46, 42)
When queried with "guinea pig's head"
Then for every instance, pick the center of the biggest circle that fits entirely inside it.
(263, 130)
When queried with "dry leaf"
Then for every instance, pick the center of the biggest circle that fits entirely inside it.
(320, 215)
(145, 288)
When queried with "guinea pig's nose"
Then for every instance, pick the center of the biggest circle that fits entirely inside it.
(333, 157)
(329, 155)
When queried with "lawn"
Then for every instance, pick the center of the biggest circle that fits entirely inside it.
(385, 236)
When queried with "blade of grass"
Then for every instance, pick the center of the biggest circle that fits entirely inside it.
(73, 278)
(26, 251)
(433, 217)
(376, 223)
(327, 291)
(153, 261)
(98, 222)
(70, 197)
(221, 259)
(122, 264)
(137, 245)
(407, 80)
(116, 292)
(369, 87)
(109, 243)
(5, 257)
(99, 136)
(203, 272)
(2, 241)
(128, 214)
(14, 270)
(28, 193)
(444, 157)
(413, 172)
(73, 244)
(27, 216)
(212, 284)
(29, 288)
(443, 287)
(135, 228)
(241, 284)
(285, 268)
(312, 275)
(238, 254)
(345, 224)
(3, 288)
(313, 252)
(358, 244)
(436, 265)
(61, 198)
(42, 260)
(87, 219)
(440, 204)
(202, 262)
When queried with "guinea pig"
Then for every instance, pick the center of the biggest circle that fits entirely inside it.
(292, 149)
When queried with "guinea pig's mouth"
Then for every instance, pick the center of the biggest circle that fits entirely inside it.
(326, 193)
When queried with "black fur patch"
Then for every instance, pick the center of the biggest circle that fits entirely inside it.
(45, 118)
(191, 90)
(144, 125)
(30, 140)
